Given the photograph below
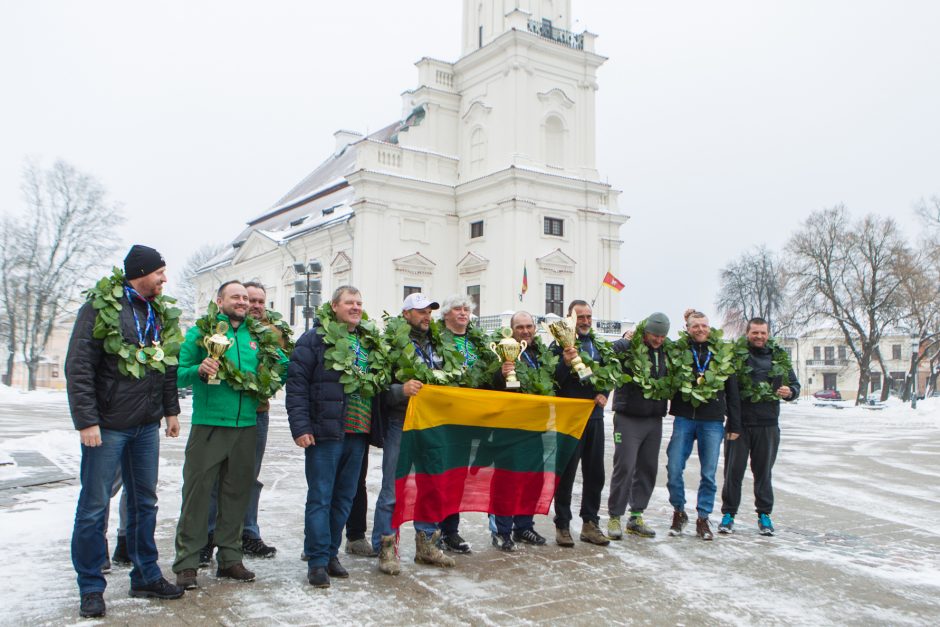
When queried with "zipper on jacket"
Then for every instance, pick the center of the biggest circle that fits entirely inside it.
(240, 392)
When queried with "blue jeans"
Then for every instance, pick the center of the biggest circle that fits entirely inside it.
(507, 524)
(385, 504)
(136, 452)
(709, 434)
(250, 528)
(332, 470)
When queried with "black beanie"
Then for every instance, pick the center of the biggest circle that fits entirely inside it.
(141, 261)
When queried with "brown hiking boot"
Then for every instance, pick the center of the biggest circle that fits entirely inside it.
(703, 529)
(590, 532)
(236, 571)
(679, 520)
(388, 556)
(563, 537)
(186, 579)
(427, 551)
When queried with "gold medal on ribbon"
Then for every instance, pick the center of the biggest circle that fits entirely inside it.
(141, 355)
(699, 380)
(157, 352)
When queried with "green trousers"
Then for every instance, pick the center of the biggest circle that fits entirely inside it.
(226, 454)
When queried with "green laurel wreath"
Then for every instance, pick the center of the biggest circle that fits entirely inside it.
(406, 364)
(276, 320)
(721, 366)
(762, 391)
(269, 378)
(608, 376)
(638, 368)
(340, 354)
(106, 297)
(480, 374)
(539, 380)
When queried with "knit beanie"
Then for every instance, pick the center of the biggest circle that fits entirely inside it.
(657, 324)
(142, 260)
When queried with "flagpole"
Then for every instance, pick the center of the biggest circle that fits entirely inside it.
(597, 294)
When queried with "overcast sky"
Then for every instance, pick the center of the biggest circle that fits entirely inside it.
(724, 123)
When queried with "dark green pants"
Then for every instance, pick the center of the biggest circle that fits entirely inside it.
(226, 454)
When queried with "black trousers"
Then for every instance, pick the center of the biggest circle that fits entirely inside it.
(356, 523)
(760, 443)
(590, 454)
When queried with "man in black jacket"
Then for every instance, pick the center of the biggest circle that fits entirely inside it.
(760, 433)
(590, 451)
(638, 433)
(704, 424)
(118, 418)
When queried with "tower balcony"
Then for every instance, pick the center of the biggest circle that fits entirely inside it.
(558, 35)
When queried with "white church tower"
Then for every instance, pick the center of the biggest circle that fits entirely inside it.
(491, 171)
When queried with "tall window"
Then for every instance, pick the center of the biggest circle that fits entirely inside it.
(554, 226)
(830, 352)
(477, 150)
(817, 352)
(830, 381)
(473, 291)
(875, 381)
(411, 289)
(842, 352)
(476, 229)
(554, 142)
(895, 351)
(554, 299)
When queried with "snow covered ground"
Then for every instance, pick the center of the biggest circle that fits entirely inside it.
(857, 516)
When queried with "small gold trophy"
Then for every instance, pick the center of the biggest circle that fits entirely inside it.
(216, 345)
(565, 332)
(509, 351)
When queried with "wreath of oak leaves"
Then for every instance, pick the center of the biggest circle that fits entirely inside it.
(608, 376)
(480, 374)
(762, 391)
(638, 368)
(404, 361)
(539, 380)
(277, 321)
(341, 355)
(269, 378)
(721, 366)
(106, 298)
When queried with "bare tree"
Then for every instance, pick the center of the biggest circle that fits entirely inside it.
(751, 286)
(921, 294)
(67, 229)
(929, 212)
(185, 291)
(10, 258)
(848, 273)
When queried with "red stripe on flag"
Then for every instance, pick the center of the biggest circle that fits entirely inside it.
(432, 498)
(613, 282)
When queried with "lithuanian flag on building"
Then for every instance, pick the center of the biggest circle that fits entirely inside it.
(465, 450)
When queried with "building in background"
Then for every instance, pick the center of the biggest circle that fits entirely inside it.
(489, 173)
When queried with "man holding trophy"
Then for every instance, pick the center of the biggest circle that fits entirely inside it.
(574, 378)
(233, 362)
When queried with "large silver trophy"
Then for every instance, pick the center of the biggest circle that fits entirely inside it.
(509, 351)
(216, 345)
(565, 332)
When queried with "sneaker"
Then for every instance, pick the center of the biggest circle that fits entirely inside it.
(255, 547)
(529, 536)
(318, 577)
(92, 605)
(236, 571)
(360, 547)
(703, 529)
(504, 542)
(453, 542)
(159, 589)
(614, 530)
(764, 525)
(590, 532)
(205, 553)
(335, 569)
(563, 537)
(636, 527)
(679, 520)
(186, 579)
(726, 525)
(120, 556)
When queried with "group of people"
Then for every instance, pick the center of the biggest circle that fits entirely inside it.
(348, 386)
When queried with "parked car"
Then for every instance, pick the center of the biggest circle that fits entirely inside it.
(828, 395)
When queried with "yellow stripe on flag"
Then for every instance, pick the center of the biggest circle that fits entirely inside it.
(436, 405)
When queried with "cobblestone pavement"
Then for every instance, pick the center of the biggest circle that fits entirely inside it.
(857, 542)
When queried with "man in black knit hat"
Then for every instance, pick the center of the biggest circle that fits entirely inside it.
(120, 386)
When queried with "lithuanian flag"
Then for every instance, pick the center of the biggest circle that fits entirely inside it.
(479, 451)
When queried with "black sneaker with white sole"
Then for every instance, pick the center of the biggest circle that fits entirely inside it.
(453, 542)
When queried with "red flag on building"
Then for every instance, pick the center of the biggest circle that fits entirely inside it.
(613, 282)
(525, 279)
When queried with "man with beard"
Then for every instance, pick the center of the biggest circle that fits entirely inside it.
(117, 415)
(222, 441)
(416, 312)
(760, 432)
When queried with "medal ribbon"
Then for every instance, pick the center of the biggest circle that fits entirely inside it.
(701, 368)
(361, 359)
(463, 345)
(529, 359)
(151, 324)
(427, 359)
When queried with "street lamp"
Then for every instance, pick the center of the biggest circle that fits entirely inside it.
(310, 286)
(915, 351)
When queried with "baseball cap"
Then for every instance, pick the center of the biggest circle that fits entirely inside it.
(418, 301)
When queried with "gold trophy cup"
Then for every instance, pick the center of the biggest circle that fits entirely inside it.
(509, 351)
(565, 332)
(216, 345)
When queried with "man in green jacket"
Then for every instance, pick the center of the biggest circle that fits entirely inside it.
(222, 440)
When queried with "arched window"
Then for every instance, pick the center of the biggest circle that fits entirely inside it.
(477, 150)
(554, 141)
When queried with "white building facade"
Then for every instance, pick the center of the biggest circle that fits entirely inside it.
(490, 172)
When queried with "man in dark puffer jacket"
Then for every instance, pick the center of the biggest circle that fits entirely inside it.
(118, 418)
